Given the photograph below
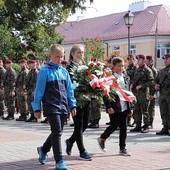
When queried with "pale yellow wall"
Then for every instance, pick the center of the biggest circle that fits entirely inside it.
(146, 48)
(144, 45)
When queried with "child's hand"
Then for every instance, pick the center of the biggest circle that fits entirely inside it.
(111, 110)
(37, 115)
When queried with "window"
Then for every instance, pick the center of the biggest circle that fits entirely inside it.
(162, 50)
(133, 49)
(116, 48)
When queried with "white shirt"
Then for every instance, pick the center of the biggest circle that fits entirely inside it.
(121, 83)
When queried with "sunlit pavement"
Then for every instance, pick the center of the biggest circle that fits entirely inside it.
(18, 142)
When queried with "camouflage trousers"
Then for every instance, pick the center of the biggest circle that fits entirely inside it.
(164, 103)
(151, 110)
(21, 102)
(1, 103)
(9, 100)
(95, 112)
(141, 111)
(30, 98)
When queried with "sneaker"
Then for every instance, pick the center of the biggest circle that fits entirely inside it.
(61, 165)
(42, 157)
(85, 156)
(101, 143)
(68, 147)
(124, 152)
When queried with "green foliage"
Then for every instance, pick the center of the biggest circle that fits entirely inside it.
(31, 20)
(94, 48)
(39, 39)
(16, 67)
(10, 44)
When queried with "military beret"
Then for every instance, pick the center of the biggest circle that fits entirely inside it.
(64, 62)
(23, 61)
(130, 56)
(149, 57)
(8, 61)
(140, 56)
(32, 61)
(166, 56)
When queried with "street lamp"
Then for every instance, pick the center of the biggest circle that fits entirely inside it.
(156, 38)
(129, 18)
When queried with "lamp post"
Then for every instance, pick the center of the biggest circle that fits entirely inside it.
(129, 18)
(156, 38)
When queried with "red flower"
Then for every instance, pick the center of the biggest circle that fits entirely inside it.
(91, 64)
(87, 73)
(98, 64)
(105, 66)
(93, 59)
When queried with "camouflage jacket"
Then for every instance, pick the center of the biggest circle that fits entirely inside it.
(163, 79)
(21, 78)
(152, 86)
(2, 76)
(9, 78)
(31, 79)
(143, 76)
(130, 71)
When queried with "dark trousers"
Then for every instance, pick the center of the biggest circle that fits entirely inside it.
(117, 120)
(56, 122)
(80, 125)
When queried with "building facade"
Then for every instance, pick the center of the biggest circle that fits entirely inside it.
(149, 34)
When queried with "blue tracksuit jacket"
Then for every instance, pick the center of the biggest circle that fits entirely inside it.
(54, 89)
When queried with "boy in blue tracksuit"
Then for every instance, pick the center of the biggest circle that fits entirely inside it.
(54, 90)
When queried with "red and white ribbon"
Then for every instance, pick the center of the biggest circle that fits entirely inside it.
(107, 83)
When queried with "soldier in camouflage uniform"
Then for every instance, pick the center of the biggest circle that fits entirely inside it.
(163, 86)
(9, 83)
(130, 70)
(2, 74)
(152, 97)
(30, 86)
(20, 91)
(95, 113)
(142, 80)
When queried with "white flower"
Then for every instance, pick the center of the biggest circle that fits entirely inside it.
(75, 84)
(82, 68)
(98, 72)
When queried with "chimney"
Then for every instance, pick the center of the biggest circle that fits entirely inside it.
(139, 6)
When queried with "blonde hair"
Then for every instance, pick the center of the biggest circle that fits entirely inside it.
(73, 49)
(56, 47)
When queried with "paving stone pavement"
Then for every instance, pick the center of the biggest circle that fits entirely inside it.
(18, 142)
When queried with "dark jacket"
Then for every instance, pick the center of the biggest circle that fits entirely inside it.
(115, 104)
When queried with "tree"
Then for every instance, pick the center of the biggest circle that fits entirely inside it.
(26, 17)
(10, 44)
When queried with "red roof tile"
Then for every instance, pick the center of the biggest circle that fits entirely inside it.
(112, 26)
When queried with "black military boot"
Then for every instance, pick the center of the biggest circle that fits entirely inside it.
(22, 118)
(94, 124)
(163, 131)
(9, 117)
(2, 114)
(145, 128)
(31, 119)
(137, 128)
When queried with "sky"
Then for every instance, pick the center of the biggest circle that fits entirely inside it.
(105, 7)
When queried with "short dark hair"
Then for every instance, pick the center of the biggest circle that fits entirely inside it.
(117, 60)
